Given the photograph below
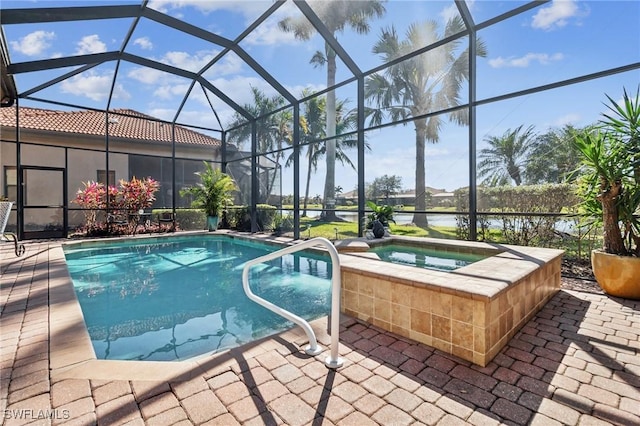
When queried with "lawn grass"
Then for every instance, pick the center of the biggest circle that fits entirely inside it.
(311, 227)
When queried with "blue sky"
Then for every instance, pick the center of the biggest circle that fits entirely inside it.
(557, 41)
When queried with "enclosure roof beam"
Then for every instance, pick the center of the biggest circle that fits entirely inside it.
(186, 28)
(220, 41)
(68, 61)
(65, 14)
(186, 74)
(57, 80)
(464, 13)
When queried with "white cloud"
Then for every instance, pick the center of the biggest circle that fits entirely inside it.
(249, 9)
(187, 61)
(148, 75)
(297, 90)
(572, 118)
(90, 44)
(239, 88)
(555, 15)
(162, 113)
(269, 34)
(174, 91)
(93, 86)
(144, 43)
(525, 61)
(229, 64)
(34, 43)
(449, 12)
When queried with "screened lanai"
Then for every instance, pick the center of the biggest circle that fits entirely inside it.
(319, 110)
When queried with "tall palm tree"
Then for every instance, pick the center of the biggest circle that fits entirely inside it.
(273, 132)
(425, 83)
(507, 156)
(336, 15)
(313, 129)
(313, 115)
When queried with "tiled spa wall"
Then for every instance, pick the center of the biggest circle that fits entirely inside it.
(471, 326)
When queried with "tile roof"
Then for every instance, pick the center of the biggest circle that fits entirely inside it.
(124, 123)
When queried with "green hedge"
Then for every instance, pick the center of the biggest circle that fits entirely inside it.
(186, 219)
(239, 217)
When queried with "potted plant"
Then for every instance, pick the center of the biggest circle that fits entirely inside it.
(378, 220)
(212, 194)
(610, 191)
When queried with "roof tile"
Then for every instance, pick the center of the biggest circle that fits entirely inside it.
(123, 123)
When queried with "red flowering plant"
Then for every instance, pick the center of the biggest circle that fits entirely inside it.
(134, 196)
(127, 201)
(92, 198)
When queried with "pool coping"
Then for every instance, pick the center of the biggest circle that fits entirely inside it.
(478, 284)
(72, 355)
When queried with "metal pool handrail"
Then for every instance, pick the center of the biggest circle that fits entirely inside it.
(333, 360)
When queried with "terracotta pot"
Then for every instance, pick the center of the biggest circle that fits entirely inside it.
(618, 276)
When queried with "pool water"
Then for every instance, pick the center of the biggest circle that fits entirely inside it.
(180, 298)
(423, 257)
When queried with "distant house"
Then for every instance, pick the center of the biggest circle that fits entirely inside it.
(59, 150)
(435, 197)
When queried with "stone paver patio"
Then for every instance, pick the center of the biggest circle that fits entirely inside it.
(577, 362)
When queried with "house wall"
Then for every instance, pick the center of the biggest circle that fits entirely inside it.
(83, 157)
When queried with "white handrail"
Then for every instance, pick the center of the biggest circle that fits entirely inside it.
(333, 360)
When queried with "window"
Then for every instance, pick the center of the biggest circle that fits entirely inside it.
(11, 183)
(102, 177)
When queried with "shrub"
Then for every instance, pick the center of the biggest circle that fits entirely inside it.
(239, 217)
(125, 201)
(522, 211)
(186, 219)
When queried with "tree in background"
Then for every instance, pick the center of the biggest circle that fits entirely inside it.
(384, 187)
(312, 126)
(273, 133)
(336, 15)
(552, 157)
(507, 157)
(425, 83)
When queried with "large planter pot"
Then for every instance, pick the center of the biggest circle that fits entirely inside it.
(212, 223)
(618, 276)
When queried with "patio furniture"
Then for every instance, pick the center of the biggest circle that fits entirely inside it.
(5, 210)
(167, 217)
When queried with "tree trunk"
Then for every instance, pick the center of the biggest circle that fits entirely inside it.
(306, 191)
(613, 242)
(330, 181)
(420, 219)
(273, 178)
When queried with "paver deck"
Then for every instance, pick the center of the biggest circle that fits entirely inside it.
(577, 362)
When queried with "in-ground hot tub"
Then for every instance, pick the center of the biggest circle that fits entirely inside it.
(470, 312)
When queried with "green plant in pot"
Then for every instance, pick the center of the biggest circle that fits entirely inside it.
(378, 220)
(609, 186)
(212, 194)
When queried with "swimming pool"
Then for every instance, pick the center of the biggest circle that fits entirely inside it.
(424, 257)
(172, 299)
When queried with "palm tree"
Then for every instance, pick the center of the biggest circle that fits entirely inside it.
(336, 15)
(507, 157)
(313, 129)
(420, 85)
(553, 157)
(273, 132)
